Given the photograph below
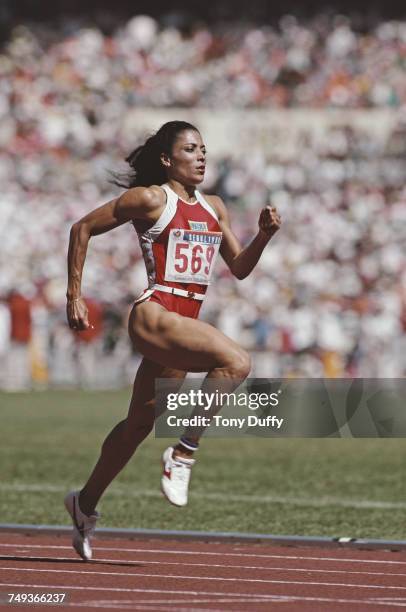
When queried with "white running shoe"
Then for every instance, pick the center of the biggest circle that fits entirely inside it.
(175, 477)
(83, 526)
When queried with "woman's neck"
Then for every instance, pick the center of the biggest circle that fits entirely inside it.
(185, 192)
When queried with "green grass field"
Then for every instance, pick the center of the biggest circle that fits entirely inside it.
(330, 487)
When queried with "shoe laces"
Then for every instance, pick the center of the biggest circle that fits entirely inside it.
(181, 471)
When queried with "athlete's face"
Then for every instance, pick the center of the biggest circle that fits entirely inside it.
(187, 161)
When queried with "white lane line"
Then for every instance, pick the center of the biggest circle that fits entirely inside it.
(273, 601)
(200, 553)
(209, 578)
(193, 609)
(171, 602)
(391, 598)
(139, 561)
(134, 590)
(235, 599)
(231, 598)
(261, 598)
(313, 502)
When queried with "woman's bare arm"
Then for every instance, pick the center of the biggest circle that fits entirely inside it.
(137, 203)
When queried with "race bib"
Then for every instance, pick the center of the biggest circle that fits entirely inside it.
(191, 255)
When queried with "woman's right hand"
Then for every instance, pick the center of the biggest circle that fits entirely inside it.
(77, 313)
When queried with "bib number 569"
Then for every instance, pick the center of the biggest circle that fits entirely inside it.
(195, 257)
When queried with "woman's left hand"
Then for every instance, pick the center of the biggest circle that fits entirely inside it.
(269, 220)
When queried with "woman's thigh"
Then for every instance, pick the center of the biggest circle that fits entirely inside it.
(178, 342)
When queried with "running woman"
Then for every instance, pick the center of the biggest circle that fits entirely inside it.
(180, 231)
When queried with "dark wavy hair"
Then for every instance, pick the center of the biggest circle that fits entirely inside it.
(145, 160)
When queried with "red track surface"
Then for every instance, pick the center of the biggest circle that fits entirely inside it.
(166, 575)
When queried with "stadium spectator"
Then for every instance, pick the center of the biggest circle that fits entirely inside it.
(18, 369)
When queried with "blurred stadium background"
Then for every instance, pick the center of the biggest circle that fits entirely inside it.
(304, 107)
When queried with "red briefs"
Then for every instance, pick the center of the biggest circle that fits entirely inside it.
(184, 306)
(187, 307)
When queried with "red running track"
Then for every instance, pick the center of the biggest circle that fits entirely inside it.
(161, 575)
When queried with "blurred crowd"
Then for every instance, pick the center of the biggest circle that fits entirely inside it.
(83, 73)
(328, 297)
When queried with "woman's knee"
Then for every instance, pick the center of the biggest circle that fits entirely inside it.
(239, 365)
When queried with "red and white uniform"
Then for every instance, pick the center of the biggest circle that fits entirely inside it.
(179, 251)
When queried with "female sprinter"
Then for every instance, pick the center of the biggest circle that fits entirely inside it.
(180, 231)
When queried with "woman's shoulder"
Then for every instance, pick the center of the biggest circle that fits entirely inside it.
(215, 202)
(148, 197)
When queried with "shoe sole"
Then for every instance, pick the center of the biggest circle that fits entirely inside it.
(170, 501)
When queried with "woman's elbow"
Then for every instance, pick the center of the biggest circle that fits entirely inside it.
(75, 227)
(80, 228)
(238, 274)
